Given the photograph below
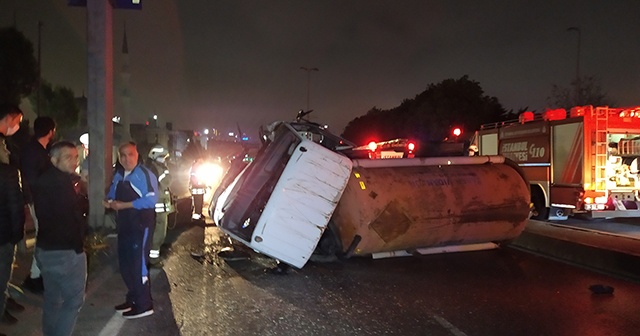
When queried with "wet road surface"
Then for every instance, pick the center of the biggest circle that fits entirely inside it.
(498, 292)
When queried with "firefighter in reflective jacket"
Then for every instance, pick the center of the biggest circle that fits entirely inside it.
(198, 188)
(156, 163)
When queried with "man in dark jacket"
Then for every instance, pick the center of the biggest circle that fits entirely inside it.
(61, 212)
(34, 160)
(11, 222)
(10, 118)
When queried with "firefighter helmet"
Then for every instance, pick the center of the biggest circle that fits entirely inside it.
(473, 150)
(158, 153)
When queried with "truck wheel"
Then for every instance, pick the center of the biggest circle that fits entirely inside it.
(539, 210)
(327, 248)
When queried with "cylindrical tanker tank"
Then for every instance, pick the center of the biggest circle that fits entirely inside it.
(404, 204)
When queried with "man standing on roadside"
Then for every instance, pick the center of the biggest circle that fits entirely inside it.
(11, 223)
(34, 160)
(133, 194)
(61, 212)
(11, 207)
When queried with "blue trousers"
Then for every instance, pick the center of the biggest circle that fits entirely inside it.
(133, 254)
(64, 274)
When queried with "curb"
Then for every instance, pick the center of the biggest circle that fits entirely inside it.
(599, 251)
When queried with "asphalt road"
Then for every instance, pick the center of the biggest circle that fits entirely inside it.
(498, 292)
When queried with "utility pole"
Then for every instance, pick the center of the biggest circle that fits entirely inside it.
(578, 92)
(100, 97)
(39, 83)
(99, 103)
(125, 75)
(308, 70)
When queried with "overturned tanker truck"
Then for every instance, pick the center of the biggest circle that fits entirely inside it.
(308, 191)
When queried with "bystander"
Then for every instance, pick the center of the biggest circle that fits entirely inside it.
(34, 160)
(133, 194)
(61, 210)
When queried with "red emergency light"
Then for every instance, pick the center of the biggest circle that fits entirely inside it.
(557, 114)
(526, 116)
(373, 146)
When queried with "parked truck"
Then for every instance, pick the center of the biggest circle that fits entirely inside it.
(581, 162)
(308, 190)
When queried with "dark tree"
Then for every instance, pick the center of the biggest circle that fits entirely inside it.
(18, 66)
(58, 103)
(431, 115)
(582, 91)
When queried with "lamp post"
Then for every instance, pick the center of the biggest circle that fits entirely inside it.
(308, 70)
(578, 98)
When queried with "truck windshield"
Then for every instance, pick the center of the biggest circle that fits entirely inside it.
(250, 194)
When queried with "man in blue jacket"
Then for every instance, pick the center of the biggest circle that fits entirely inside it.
(133, 194)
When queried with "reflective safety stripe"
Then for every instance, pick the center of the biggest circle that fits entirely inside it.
(160, 207)
(154, 254)
(163, 207)
(197, 191)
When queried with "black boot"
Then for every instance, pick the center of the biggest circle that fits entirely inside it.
(34, 285)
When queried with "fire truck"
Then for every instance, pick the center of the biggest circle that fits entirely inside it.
(391, 149)
(407, 148)
(581, 162)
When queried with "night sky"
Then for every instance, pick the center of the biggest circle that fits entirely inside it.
(207, 63)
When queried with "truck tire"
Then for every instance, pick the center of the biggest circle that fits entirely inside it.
(327, 248)
(539, 210)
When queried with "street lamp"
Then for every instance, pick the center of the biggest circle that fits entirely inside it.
(578, 98)
(308, 70)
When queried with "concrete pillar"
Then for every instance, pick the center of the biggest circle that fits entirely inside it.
(99, 104)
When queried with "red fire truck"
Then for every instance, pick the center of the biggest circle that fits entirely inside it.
(581, 162)
(391, 149)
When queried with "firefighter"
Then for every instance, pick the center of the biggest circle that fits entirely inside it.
(198, 188)
(156, 163)
(473, 150)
